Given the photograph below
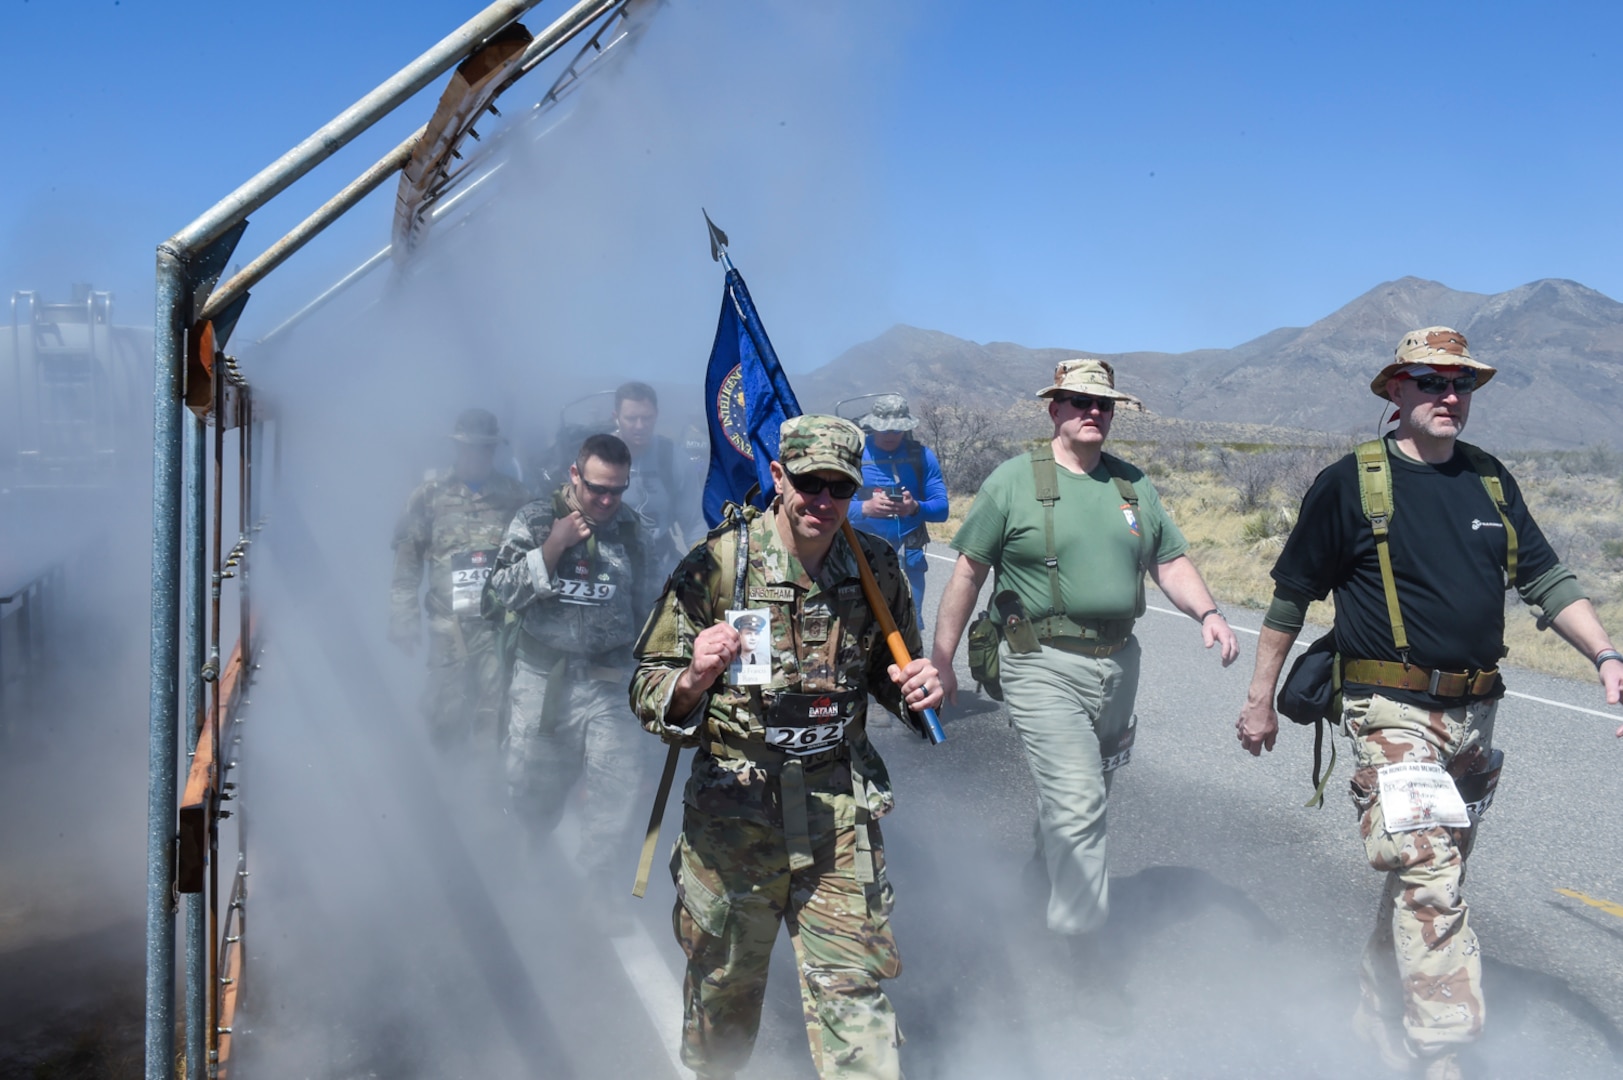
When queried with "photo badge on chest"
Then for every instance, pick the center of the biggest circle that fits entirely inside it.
(754, 664)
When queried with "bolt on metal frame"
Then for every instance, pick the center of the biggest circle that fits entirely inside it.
(195, 381)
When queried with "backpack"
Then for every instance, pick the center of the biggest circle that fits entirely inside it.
(986, 630)
(1311, 692)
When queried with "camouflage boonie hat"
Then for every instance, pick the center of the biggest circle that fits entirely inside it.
(889, 413)
(810, 443)
(476, 427)
(1431, 346)
(1082, 376)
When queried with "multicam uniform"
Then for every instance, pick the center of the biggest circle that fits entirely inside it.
(772, 834)
(453, 531)
(569, 677)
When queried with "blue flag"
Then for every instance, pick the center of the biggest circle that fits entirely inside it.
(746, 398)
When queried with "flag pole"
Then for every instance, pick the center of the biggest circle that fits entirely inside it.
(870, 586)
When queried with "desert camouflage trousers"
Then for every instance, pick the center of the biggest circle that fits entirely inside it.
(1422, 966)
(588, 733)
(462, 697)
(734, 886)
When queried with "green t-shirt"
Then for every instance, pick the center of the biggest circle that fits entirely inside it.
(1098, 544)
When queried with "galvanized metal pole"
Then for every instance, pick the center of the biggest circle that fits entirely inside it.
(196, 571)
(169, 349)
(329, 212)
(337, 132)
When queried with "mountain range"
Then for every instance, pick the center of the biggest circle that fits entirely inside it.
(1558, 346)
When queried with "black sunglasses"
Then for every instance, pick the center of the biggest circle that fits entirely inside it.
(1463, 383)
(809, 484)
(1084, 402)
(601, 490)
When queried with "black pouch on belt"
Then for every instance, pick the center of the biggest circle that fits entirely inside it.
(1017, 628)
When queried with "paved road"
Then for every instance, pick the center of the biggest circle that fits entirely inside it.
(1245, 911)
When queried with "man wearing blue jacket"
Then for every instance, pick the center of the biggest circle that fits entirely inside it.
(902, 481)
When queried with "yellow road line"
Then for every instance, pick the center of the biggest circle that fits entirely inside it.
(1605, 905)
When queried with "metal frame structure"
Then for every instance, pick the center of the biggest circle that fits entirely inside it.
(197, 386)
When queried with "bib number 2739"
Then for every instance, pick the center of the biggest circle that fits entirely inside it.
(576, 591)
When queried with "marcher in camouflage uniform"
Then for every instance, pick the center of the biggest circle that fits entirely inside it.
(452, 526)
(575, 568)
(1419, 668)
(781, 812)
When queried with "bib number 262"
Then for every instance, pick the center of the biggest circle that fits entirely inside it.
(811, 739)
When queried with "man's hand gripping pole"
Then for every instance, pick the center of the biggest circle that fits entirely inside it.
(887, 624)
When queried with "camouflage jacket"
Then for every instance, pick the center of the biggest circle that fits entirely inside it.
(597, 595)
(444, 525)
(824, 637)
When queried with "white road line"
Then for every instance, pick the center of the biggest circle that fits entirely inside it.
(1508, 693)
(1614, 717)
(657, 988)
(1169, 611)
(943, 558)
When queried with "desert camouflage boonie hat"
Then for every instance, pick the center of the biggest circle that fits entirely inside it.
(1087, 377)
(476, 427)
(1431, 346)
(889, 413)
(811, 443)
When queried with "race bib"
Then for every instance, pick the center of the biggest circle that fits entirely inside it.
(576, 591)
(469, 569)
(1420, 795)
(1120, 750)
(805, 724)
(812, 739)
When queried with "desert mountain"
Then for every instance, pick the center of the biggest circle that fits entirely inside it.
(1558, 346)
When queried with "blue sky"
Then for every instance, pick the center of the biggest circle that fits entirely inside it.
(1102, 176)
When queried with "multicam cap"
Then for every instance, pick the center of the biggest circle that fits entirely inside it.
(476, 427)
(1087, 377)
(889, 413)
(1431, 346)
(809, 443)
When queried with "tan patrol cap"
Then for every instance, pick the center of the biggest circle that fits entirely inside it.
(1082, 376)
(1433, 346)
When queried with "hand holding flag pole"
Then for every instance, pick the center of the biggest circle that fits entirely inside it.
(743, 309)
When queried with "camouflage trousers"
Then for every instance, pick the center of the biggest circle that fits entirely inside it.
(1066, 707)
(1422, 966)
(462, 697)
(593, 736)
(734, 886)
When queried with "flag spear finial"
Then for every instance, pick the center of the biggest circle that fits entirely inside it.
(718, 241)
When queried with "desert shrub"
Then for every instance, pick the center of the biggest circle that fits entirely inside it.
(969, 439)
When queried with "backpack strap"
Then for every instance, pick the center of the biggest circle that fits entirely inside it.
(1375, 495)
(1045, 475)
(1129, 494)
(1483, 464)
(645, 862)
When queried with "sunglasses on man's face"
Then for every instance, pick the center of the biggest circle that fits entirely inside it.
(1463, 383)
(811, 484)
(1087, 402)
(603, 491)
